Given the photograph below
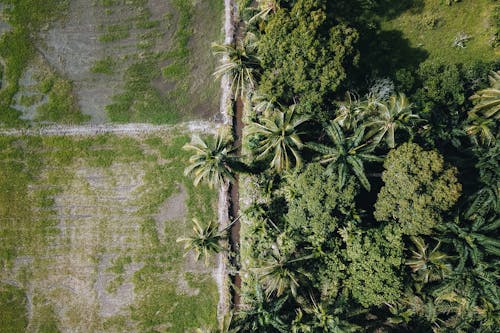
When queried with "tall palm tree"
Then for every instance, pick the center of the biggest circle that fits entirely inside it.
(333, 321)
(347, 154)
(265, 8)
(389, 116)
(240, 63)
(479, 130)
(212, 162)
(351, 112)
(280, 273)
(278, 136)
(428, 265)
(488, 99)
(261, 315)
(472, 240)
(205, 240)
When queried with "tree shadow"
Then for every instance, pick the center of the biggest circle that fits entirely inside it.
(384, 52)
(390, 9)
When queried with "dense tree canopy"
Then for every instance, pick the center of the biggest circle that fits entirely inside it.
(305, 54)
(418, 188)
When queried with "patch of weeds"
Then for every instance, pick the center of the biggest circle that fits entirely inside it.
(30, 100)
(61, 105)
(104, 66)
(119, 264)
(147, 24)
(115, 32)
(17, 46)
(12, 309)
(114, 284)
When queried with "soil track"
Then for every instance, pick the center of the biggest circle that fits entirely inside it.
(123, 129)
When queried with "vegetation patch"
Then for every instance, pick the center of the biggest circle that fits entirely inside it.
(463, 32)
(80, 233)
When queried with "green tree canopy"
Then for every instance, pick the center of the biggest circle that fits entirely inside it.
(418, 188)
(317, 205)
(305, 53)
(375, 259)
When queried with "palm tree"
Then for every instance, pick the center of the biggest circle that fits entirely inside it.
(211, 162)
(240, 63)
(346, 154)
(261, 315)
(278, 135)
(280, 273)
(389, 116)
(351, 112)
(265, 8)
(489, 98)
(205, 240)
(472, 240)
(429, 265)
(481, 128)
(331, 321)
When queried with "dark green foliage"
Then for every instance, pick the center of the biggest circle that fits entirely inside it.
(12, 309)
(375, 259)
(305, 55)
(418, 189)
(317, 207)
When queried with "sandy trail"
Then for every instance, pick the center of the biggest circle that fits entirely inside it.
(122, 129)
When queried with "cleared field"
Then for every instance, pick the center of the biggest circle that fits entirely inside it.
(87, 236)
(106, 61)
(433, 26)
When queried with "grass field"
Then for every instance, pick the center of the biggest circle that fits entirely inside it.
(111, 61)
(433, 26)
(87, 236)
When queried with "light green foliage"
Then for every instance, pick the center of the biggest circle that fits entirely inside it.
(62, 105)
(375, 258)
(13, 314)
(418, 188)
(304, 54)
(317, 207)
(104, 66)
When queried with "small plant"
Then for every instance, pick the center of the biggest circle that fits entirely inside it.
(461, 40)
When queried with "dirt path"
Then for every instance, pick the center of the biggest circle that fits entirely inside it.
(123, 129)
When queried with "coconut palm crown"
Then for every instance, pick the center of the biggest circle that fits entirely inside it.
(204, 241)
(240, 63)
(279, 136)
(211, 162)
(388, 117)
(488, 99)
(346, 154)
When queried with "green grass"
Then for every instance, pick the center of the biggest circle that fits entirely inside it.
(17, 47)
(36, 173)
(435, 25)
(12, 309)
(185, 67)
(104, 66)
